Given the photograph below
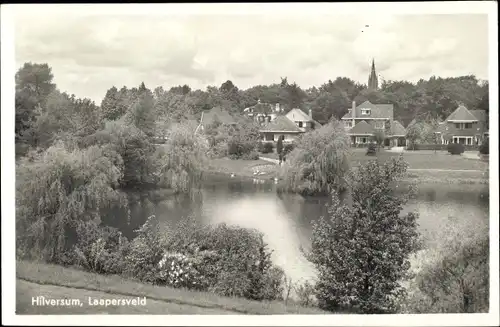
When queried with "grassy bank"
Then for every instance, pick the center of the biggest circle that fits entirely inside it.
(242, 168)
(53, 282)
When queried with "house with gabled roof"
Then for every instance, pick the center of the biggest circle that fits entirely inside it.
(292, 124)
(464, 126)
(216, 114)
(362, 122)
(263, 112)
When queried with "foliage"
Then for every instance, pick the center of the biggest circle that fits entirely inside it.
(232, 261)
(178, 270)
(100, 249)
(413, 134)
(142, 114)
(379, 137)
(319, 161)
(485, 146)
(454, 276)
(279, 145)
(361, 251)
(371, 150)
(146, 251)
(266, 147)
(178, 164)
(288, 148)
(33, 85)
(455, 148)
(305, 294)
(57, 189)
(133, 147)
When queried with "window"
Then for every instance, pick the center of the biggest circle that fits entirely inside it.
(348, 123)
(300, 124)
(463, 125)
(365, 111)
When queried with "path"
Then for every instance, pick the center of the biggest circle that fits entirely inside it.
(410, 169)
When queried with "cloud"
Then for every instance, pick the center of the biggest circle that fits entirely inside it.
(89, 54)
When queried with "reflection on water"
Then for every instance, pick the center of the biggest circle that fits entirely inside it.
(285, 219)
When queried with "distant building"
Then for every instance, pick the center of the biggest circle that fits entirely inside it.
(467, 127)
(216, 114)
(364, 121)
(263, 112)
(290, 125)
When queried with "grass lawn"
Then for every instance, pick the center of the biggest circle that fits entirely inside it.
(242, 168)
(57, 282)
(423, 160)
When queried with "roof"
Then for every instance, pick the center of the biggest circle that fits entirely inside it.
(261, 108)
(377, 111)
(221, 115)
(281, 124)
(479, 114)
(397, 129)
(362, 128)
(461, 113)
(298, 115)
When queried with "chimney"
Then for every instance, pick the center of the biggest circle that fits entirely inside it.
(353, 113)
(310, 113)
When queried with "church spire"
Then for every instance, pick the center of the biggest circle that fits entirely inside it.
(372, 79)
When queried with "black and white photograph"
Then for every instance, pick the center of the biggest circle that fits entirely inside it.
(250, 164)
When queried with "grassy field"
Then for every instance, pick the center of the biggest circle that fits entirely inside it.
(242, 168)
(416, 159)
(57, 282)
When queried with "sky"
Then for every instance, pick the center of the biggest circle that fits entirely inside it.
(91, 53)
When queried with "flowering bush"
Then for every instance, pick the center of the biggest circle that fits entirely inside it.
(179, 270)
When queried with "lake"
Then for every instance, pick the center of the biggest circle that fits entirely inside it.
(285, 219)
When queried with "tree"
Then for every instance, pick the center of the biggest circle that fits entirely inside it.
(33, 86)
(279, 145)
(319, 161)
(413, 133)
(114, 106)
(142, 113)
(361, 251)
(379, 137)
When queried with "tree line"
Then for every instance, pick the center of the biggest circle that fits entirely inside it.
(42, 110)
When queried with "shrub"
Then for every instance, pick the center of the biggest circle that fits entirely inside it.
(319, 161)
(454, 276)
(100, 249)
(266, 147)
(361, 252)
(371, 151)
(305, 294)
(455, 148)
(179, 270)
(485, 147)
(146, 251)
(253, 155)
(288, 148)
(231, 261)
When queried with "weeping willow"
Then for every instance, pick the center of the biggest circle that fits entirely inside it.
(179, 162)
(319, 161)
(58, 189)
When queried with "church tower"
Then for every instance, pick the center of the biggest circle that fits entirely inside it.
(372, 79)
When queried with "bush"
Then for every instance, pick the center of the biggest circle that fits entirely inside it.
(319, 161)
(100, 249)
(253, 155)
(455, 148)
(371, 151)
(231, 261)
(305, 294)
(362, 251)
(453, 277)
(266, 147)
(279, 145)
(288, 148)
(485, 147)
